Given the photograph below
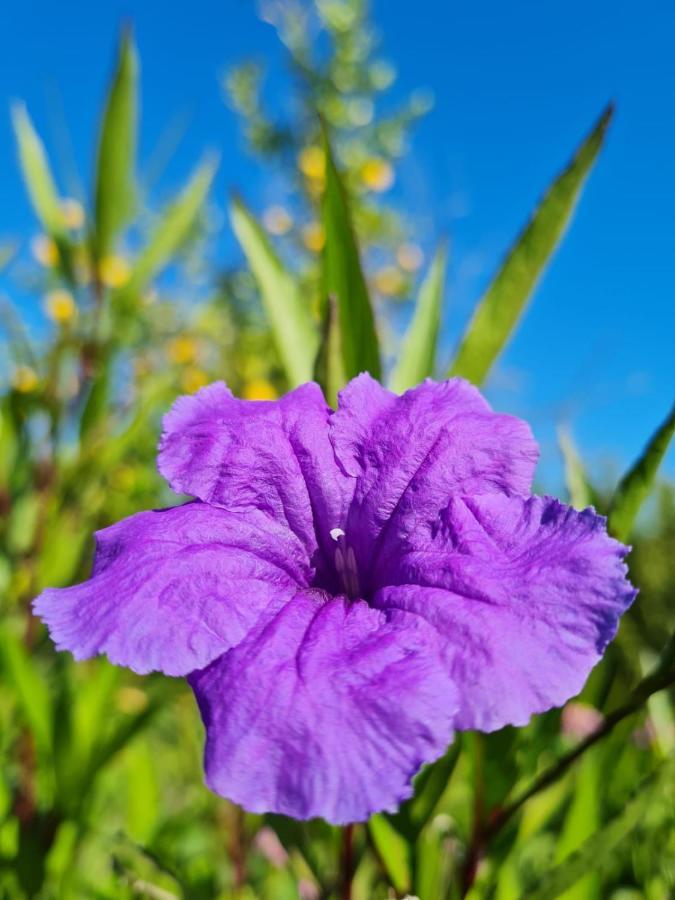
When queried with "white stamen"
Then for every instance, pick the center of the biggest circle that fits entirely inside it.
(336, 533)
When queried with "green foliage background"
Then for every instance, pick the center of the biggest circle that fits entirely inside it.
(101, 793)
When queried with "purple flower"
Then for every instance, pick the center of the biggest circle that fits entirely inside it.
(348, 587)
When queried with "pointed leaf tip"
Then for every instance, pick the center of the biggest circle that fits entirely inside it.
(343, 279)
(114, 174)
(418, 353)
(505, 300)
(637, 483)
(290, 319)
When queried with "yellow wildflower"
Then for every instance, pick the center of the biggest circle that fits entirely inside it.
(24, 379)
(44, 250)
(314, 237)
(409, 257)
(73, 213)
(277, 220)
(377, 174)
(193, 379)
(60, 306)
(114, 271)
(182, 349)
(388, 281)
(312, 163)
(259, 389)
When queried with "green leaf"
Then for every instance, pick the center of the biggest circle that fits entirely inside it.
(393, 850)
(418, 354)
(96, 406)
(502, 305)
(114, 179)
(288, 313)
(343, 280)
(429, 787)
(637, 483)
(37, 173)
(28, 685)
(599, 849)
(174, 227)
(123, 734)
(578, 486)
(582, 821)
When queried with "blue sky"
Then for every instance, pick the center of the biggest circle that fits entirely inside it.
(516, 87)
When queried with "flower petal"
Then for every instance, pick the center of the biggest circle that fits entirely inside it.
(411, 453)
(274, 456)
(326, 709)
(172, 589)
(526, 593)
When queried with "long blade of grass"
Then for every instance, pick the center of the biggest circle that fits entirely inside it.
(599, 848)
(19, 670)
(114, 178)
(418, 355)
(290, 319)
(37, 172)
(505, 300)
(578, 486)
(343, 280)
(393, 850)
(636, 484)
(174, 227)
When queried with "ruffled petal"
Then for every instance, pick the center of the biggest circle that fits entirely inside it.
(411, 453)
(274, 456)
(326, 709)
(173, 589)
(526, 595)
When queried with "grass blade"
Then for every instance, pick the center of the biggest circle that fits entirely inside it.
(113, 193)
(394, 852)
(502, 305)
(37, 173)
(418, 355)
(289, 317)
(173, 229)
(578, 486)
(30, 689)
(599, 848)
(343, 280)
(637, 483)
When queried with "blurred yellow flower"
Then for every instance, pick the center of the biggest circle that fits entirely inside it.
(131, 700)
(312, 163)
(409, 257)
(60, 306)
(24, 379)
(377, 174)
(277, 220)
(114, 271)
(193, 379)
(314, 237)
(182, 349)
(259, 389)
(44, 250)
(73, 213)
(388, 281)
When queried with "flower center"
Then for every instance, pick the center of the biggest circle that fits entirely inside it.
(345, 563)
